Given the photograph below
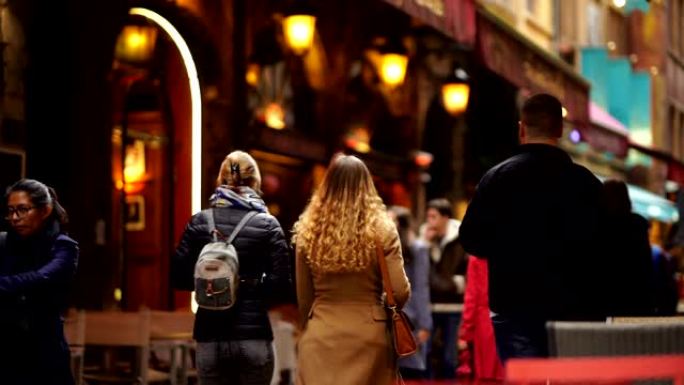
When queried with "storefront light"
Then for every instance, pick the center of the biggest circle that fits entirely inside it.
(393, 68)
(252, 75)
(575, 136)
(456, 92)
(299, 27)
(136, 43)
(358, 139)
(274, 116)
(619, 3)
(422, 159)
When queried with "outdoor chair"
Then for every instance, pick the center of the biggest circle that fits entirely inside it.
(123, 338)
(74, 332)
(574, 339)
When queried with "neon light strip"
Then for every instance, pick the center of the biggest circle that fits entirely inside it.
(195, 97)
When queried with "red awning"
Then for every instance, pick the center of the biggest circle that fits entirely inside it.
(454, 18)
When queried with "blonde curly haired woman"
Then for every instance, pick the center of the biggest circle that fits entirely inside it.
(339, 286)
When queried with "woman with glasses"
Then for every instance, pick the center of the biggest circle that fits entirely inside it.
(37, 264)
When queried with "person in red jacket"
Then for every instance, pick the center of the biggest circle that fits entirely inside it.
(476, 326)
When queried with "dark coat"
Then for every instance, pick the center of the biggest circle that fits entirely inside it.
(629, 286)
(536, 218)
(263, 253)
(35, 278)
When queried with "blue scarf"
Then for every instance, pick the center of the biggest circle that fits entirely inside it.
(244, 199)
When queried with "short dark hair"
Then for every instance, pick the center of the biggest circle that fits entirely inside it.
(442, 205)
(542, 115)
(616, 197)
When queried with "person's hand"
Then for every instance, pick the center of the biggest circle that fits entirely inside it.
(462, 345)
(423, 335)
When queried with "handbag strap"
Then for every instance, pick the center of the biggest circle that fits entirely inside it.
(386, 282)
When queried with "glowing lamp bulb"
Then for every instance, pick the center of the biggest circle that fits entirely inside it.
(575, 136)
(299, 32)
(393, 69)
(455, 97)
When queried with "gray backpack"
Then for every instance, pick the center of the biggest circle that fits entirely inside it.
(217, 267)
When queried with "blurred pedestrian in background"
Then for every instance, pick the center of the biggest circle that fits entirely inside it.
(665, 286)
(476, 335)
(234, 345)
(344, 336)
(629, 279)
(536, 218)
(37, 264)
(448, 262)
(417, 267)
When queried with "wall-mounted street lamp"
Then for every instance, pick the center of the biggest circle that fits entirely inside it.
(456, 92)
(136, 43)
(393, 63)
(299, 27)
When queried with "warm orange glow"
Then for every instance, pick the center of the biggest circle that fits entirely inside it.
(564, 112)
(134, 164)
(358, 139)
(393, 68)
(136, 43)
(252, 75)
(299, 32)
(455, 97)
(422, 159)
(274, 116)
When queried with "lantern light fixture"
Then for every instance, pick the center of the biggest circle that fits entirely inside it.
(393, 63)
(136, 43)
(456, 92)
(299, 27)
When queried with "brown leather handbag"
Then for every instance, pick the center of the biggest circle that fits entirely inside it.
(399, 324)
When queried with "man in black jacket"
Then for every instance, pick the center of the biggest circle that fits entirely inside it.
(535, 218)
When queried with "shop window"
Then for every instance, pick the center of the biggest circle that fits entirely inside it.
(673, 26)
(594, 24)
(508, 4)
(680, 38)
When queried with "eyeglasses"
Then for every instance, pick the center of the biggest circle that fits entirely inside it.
(21, 211)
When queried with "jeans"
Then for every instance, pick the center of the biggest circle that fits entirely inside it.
(519, 338)
(445, 329)
(242, 362)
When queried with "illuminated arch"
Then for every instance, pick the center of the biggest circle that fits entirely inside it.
(195, 99)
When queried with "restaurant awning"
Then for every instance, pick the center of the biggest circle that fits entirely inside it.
(675, 168)
(512, 56)
(605, 133)
(454, 18)
(650, 205)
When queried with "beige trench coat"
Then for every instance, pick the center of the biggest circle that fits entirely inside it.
(344, 338)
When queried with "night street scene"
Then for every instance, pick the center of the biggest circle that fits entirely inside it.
(342, 192)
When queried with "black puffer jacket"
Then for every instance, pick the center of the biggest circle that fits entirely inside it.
(262, 250)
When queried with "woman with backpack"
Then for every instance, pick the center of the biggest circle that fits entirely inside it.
(37, 264)
(232, 328)
(344, 336)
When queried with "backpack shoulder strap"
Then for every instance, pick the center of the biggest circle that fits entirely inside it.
(209, 216)
(240, 225)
